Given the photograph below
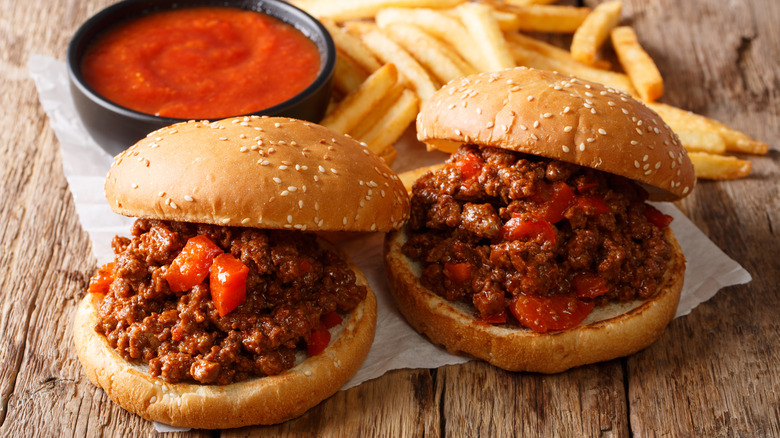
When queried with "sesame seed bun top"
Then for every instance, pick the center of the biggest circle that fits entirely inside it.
(563, 118)
(275, 173)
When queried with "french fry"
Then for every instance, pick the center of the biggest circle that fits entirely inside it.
(440, 25)
(393, 123)
(354, 107)
(389, 52)
(529, 2)
(348, 75)
(537, 58)
(702, 141)
(589, 37)
(382, 107)
(681, 120)
(709, 166)
(637, 64)
(485, 31)
(434, 55)
(342, 10)
(410, 176)
(352, 46)
(389, 154)
(507, 21)
(547, 18)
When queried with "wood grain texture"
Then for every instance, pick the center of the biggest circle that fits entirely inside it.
(713, 373)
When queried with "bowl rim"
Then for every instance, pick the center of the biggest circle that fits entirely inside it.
(95, 25)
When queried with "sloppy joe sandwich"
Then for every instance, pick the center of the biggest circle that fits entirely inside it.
(534, 247)
(224, 308)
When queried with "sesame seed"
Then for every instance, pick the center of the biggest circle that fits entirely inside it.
(547, 115)
(264, 162)
(566, 110)
(188, 198)
(161, 194)
(173, 205)
(292, 188)
(243, 149)
(639, 131)
(567, 129)
(344, 221)
(334, 171)
(505, 128)
(602, 131)
(582, 146)
(289, 218)
(610, 103)
(565, 148)
(645, 158)
(277, 125)
(648, 172)
(223, 138)
(634, 143)
(135, 186)
(524, 128)
(685, 190)
(625, 111)
(534, 137)
(245, 220)
(321, 169)
(536, 123)
(284, 193)
(277, 180)
(658, 165)
(489, 124)
(636, 164)
(479, 110)
(530, 98)
(590, 140)
(457, 132)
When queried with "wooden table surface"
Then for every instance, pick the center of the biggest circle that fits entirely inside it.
(714, 372)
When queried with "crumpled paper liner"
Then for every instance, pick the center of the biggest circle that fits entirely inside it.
(396, 344)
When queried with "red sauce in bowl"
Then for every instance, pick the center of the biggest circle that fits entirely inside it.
(201, 63)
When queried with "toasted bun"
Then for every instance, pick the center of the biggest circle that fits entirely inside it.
(563, 118)
(608, 332)
(265, 400)
(259, 172)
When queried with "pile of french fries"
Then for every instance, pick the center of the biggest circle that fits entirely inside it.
(393, 54)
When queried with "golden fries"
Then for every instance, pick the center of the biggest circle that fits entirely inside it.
(390, 52)
(547, 18)
(709, 166)
(387, 66)
(438, 24)
(538, 56)
(637, 63)
(702, 141)
(594, 31)
(434, 55)
(348, 75)
(392, 124)
(351, 46)
(682, 120)
(341, 10)
(348, 113)
(410, 176)
(485, 31)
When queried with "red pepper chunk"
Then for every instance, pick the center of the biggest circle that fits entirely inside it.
(318, 341)
(556, 312)
(516, 228)
(588, 285)
(555, 200)
(459, 273)
(657, 218)
(227, 280)
(593, 204)
(330, 320)
(191, 265)
(498, 318)
(470, 166)
(100, 282)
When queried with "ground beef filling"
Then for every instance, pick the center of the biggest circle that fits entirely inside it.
(181, 335)
(493, 225)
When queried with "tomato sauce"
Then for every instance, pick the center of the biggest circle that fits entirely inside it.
(201, 62)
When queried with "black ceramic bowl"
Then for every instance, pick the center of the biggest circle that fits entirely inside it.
(116, 127)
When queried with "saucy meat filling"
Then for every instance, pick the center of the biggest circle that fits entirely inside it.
(540, 239)
(291, 286)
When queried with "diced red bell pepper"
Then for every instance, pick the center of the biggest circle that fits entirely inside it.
(100, 282)
(227, 281)
(303, 267)
(459, 273)
(498, 318)
(470, 167)
(191, 265)
(554, 200)
(556, 312)
(330, 320)
(589, 285)
(318, 341)
(657, 218)
(593, 204)
(583, 185)
(517, 228)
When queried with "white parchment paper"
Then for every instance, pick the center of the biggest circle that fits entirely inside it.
(396, 345)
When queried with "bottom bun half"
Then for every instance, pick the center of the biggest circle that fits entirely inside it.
(264, 400)
(611, 331)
